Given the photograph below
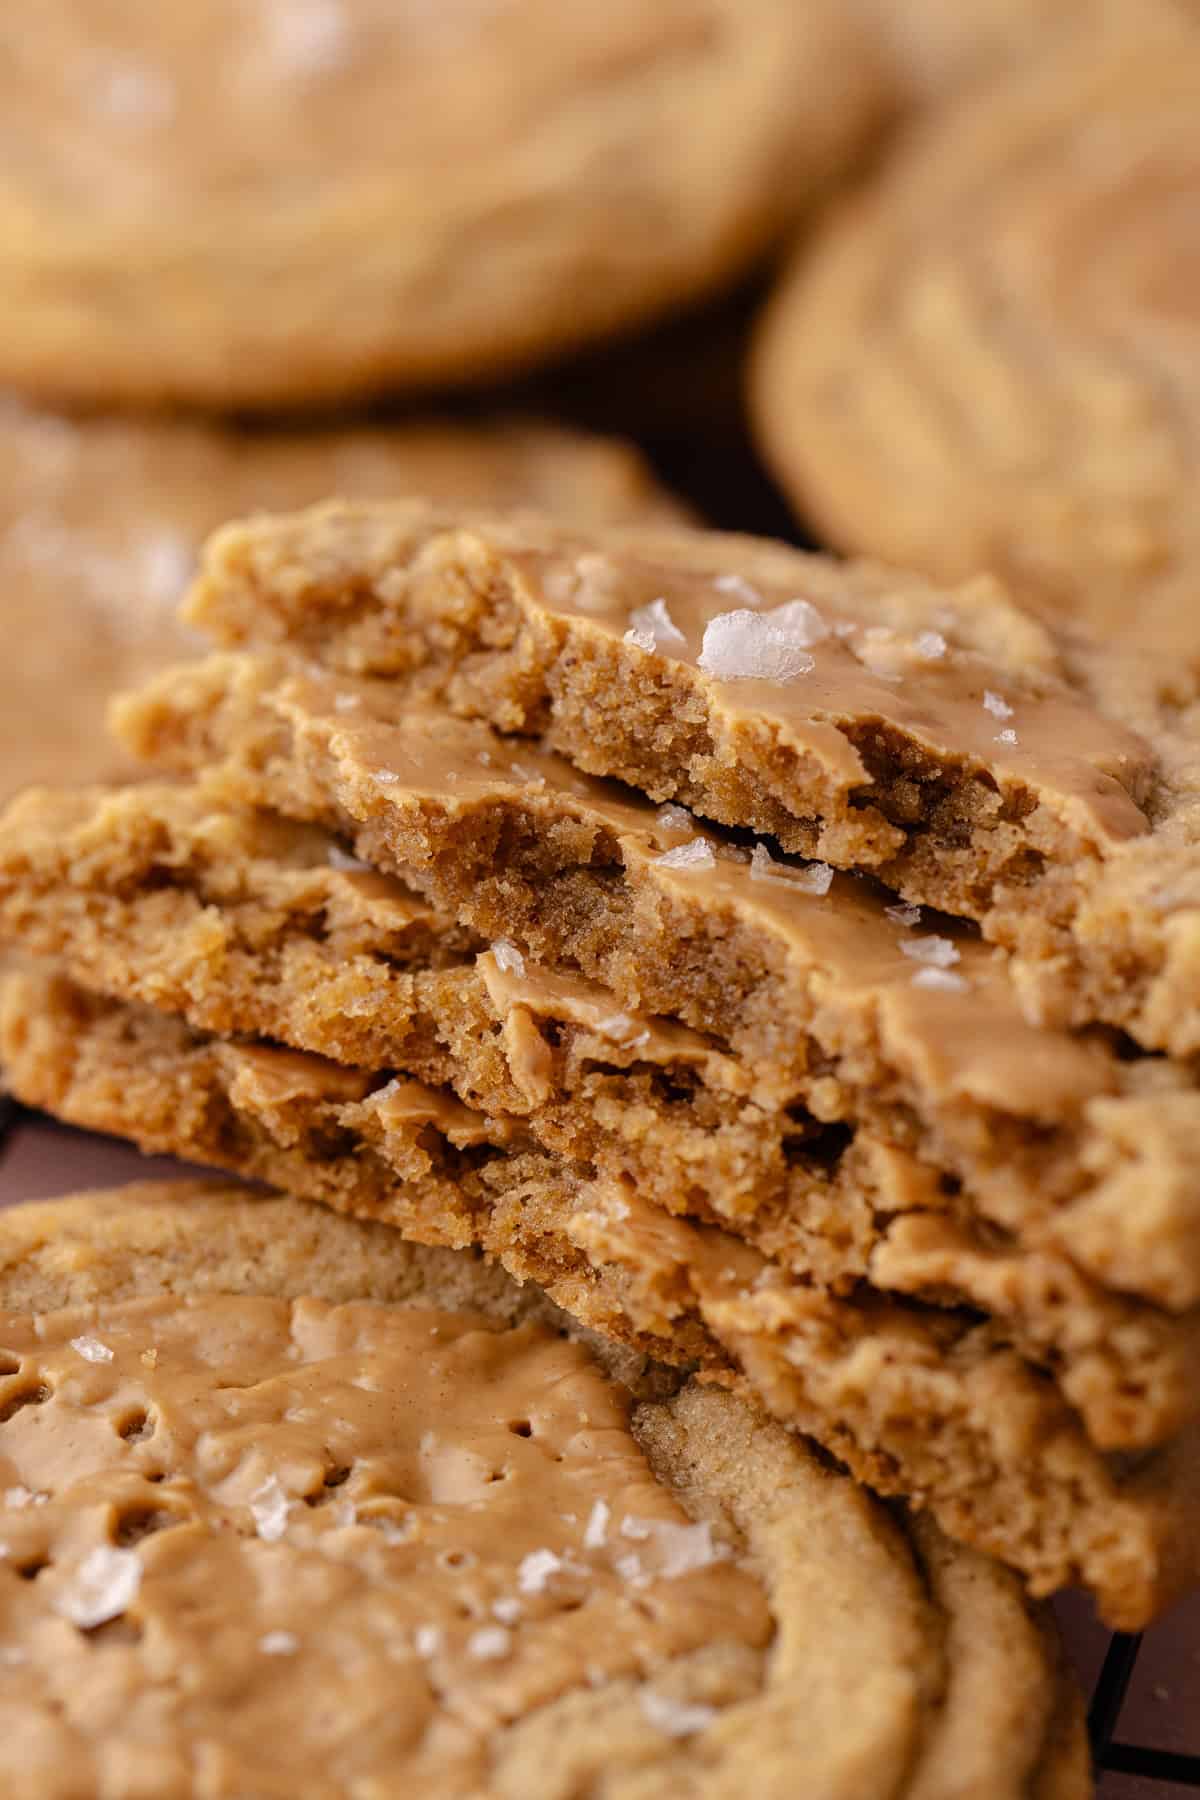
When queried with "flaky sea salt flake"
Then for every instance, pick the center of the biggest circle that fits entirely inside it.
(801, 620)
(930, 646)
(103, 1586)
(696, 855)
(996, 704)
(817, 878)
(938, 952)
(1007, 737)
(676, 1718)
(427, 1640)
(675, 818)
(342, 860)
(508, 957)
(654, 622)
(740, 589)
(490, 1642)
(745, 646)
(901, 914)
(596, 1533)
(279, 1643)
(507, 1609)
(91, 1349)
(269, 1506)
(536, 1569)
(944, 980)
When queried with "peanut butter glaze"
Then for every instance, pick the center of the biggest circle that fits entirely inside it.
(257, 1533)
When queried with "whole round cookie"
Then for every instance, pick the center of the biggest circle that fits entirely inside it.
(264, 203)
(100, 524)
(992, 359)
(294, 1509)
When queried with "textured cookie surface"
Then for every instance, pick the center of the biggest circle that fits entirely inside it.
(100, 525)
(826, 1102)
(925, 1402)
(989, 360)
(936, 47)
(416, 1541)
(486, 183)
(940, 739)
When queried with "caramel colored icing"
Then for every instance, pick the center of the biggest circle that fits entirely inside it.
(419, 787)
(246, 1538)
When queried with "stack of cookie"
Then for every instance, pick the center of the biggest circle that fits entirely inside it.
(788, 967)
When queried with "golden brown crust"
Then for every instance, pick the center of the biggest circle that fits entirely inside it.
(986, 361)
(573, 193)
(932, 1647)
(1040, 784)
(101, 523)
(242, 924)
(996, 1455)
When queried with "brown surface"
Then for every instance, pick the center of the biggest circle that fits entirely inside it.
(487, 185)
(916, 1400)
(939, 739)
(101, 524)
(380, 1467)
(988, 360)
(246, 924)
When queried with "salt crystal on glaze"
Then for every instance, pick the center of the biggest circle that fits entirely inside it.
(655, 622)
(801, 620)
(943, 979)
(535, 1570)
(930, 646)
(817, 878)
(270, 1506)
(675, 818)
(622, 1030)
(91, 1349)
(427, 1640)
(279, 1643)
(1008, 737)
(508, 957)
(102, 1587)
(740, 588)
(939, 952)
(996, 704)
(743, 646)
(346, 702)
(489, 1643)
(696, 855)
(596, 1535)
(903, 915)
(16, 1498)
(506, 1609)
(386, 777)
(675, 1718)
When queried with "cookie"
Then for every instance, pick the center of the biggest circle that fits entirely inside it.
(486, 188)
(514, 1575)
(100, 524)
(926, 1402)
(511, 841)
(850, 1121)
(941, 740)
(934, 48)
(986, 361)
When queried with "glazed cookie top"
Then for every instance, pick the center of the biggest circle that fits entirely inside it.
(488, 181)
(989, 359)
(942, 739)
(249, 1536)
(101, 522)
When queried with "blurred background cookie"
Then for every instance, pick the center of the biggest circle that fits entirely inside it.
(266, 203)
(100, 523)
(991, 359)
(933, 48)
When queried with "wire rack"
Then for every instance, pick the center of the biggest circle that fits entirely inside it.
(1144, 1691)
